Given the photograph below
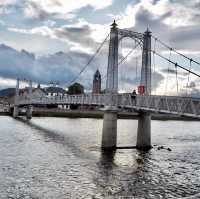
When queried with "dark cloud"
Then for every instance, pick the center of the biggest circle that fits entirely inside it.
(63, 67)
(173, 71)
(191, 85)
(180, 37)
(56, 67)
(186, 38)
(81, 35)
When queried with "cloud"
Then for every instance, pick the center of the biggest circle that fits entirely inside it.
(34, 10)
(50, 23)
(60, 8)
(173, 71)
(82, 36)
(55, 67)
(176, 23)
(177, 14)
(8, 2)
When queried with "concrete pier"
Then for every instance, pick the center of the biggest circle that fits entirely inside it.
(29, 111)
(144, 131)
(109, 137)
(15, 111)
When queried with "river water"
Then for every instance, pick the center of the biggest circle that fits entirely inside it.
(61, 158)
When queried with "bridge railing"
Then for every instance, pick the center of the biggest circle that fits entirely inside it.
(165, 104)
(170, 104)
(154, 103)
(87, 99)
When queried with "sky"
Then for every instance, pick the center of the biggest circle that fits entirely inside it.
(51, 41)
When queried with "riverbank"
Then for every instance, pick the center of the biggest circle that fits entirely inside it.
(4, 113)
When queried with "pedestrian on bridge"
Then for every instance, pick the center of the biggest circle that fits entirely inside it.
(133, 97)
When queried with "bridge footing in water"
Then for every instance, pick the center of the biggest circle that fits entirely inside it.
(109, 134)
(144, 131)
(15, 111)
(29, 111)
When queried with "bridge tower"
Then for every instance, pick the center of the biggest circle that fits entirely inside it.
(109, 137)
(144, 120)
(146, 62)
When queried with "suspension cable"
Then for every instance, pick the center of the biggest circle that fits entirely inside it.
(122, 60)
(90, 60)
(174, 50)
(178, 65)
(154, 64)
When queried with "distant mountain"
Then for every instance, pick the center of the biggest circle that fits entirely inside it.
(7, 92)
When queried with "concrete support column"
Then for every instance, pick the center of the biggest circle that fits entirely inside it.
(109, 137)
(144, 131)
(15, 111)
(29, 111)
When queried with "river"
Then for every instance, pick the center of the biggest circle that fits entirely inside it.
(58, 158)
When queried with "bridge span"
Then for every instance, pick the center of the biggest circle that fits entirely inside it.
(183, 106)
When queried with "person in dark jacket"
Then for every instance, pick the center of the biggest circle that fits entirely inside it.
(133, 97)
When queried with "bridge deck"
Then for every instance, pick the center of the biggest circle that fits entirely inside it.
(184, 106)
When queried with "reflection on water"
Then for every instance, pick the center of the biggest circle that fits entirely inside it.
(61, 158)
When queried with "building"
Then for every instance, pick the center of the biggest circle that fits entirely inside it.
(23, 94)
(55, 91)
(97, 83)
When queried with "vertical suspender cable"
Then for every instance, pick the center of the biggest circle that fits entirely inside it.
(136, 63)
(166, 84)
(176, 77)
(187, 86)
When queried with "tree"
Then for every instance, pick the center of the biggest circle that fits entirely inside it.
(75, 89)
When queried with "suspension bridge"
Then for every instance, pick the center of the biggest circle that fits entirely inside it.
(144, 104)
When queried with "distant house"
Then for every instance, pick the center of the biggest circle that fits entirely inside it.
(36, 92)
(9, 97)
(75, 89)
(55, 91)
